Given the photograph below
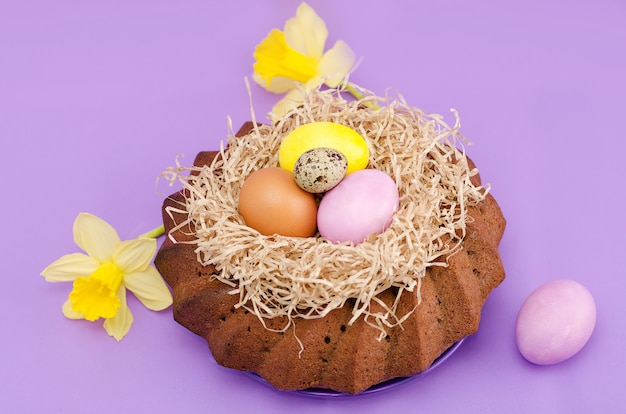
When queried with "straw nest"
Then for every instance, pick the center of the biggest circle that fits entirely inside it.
(309, 277)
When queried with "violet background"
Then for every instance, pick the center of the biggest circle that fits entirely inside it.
(98, 98)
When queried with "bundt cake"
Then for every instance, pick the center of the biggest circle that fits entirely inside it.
(360, 342)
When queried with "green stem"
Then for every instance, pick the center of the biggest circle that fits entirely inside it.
(154, 233)
(355, 91)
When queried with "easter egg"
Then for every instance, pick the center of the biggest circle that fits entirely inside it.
(363, 203)
(271, 202)
(324, 135)
(555, 322)
(320, 169)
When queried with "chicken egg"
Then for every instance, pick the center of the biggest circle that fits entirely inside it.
(555, 322)
(324, 135)
(271, 202)
(363, 203)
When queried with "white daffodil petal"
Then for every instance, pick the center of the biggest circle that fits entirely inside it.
(71, 313)
(292, 100)
(95, 236)
(312, 83)
(148, 286)
(278, 84)
(306, 32)
(119, 325)
(134, 255)
(336, 63)
(69, 267)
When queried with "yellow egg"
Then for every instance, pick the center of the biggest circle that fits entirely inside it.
(324, 135)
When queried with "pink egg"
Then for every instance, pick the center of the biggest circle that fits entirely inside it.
(363, 203)
(555, 322)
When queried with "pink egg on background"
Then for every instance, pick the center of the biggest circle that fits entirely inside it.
(555, 322)
(363, 203)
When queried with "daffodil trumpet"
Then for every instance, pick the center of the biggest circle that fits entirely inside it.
(105, 271)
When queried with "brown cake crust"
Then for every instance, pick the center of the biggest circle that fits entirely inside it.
(333, 354)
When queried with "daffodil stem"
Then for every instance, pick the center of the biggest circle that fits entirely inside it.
(154, 233)
(355, 91)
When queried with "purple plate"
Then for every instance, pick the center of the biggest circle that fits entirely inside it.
(385, 385)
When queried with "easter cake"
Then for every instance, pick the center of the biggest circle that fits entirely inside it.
(317, 309)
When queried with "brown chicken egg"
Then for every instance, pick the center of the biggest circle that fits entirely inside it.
(271, 202)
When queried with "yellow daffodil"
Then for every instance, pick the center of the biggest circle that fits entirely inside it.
(102, 276)
(293, 61)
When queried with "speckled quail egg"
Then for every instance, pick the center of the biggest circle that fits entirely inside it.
(320, 169)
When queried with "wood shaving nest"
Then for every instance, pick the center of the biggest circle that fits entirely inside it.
(309, 277)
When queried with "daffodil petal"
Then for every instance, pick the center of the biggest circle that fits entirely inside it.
(292, 100)
(306, 32)
(69, 267)
(278, 84)
(313, 83)
(119, 325)
(336, 63)
(71, 313)
(134, 255)
(148, 286)
(95, 236)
